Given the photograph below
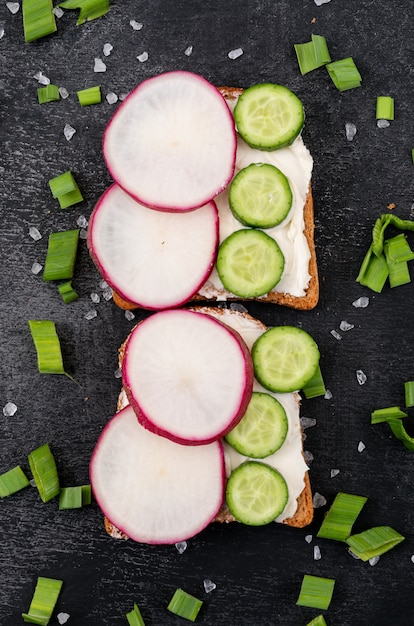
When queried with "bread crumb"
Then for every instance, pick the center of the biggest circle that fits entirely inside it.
(391, 206)
(313, 20)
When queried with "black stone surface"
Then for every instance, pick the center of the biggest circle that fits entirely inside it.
(258, 571)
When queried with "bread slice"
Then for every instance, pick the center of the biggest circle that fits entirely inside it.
(303, 513)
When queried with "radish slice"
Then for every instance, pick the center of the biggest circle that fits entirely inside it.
(172, 143)
(188, 376)
(154, 259)
(152, 489)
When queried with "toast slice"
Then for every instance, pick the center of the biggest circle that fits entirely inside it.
(299, 511)
(305, 298)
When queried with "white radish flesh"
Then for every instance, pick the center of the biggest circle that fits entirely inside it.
(154, 259)
(188, 376)
(172, 142)
(152, 489)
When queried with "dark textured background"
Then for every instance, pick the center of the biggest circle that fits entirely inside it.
(258, 572)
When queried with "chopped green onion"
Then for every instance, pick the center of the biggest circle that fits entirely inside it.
(399, 274)
(12, 481)
(397, 249)
(184, 605)
(86, 495)
(38, 19)
(398, 430)
(48, 94)
(409, 393)
(134, 617)
(312, 54)
(92, 95)
(383, 415)
(384, 108)
(61, 255)
(67, 292)
(316, 592)
(373, 272)
(412, 155)
(318, 621)
(315, 386)
(387, 219)
(374, 542)
(65, 188)
(340, 518)
(74, 497)
(49, 356)
(89, 9)
(344, 74)
(44, 600)
(44, 470)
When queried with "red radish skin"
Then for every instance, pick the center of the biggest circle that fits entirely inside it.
(153, 259)
(196, 386)
(172, 142)
(154, 490)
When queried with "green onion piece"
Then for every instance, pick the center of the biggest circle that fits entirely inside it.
(383, 415)
(74, 497)
(378, 233)
(384, 108)
(67, 292)
(92, 95)
(38, 19)
(49, 356)
(315, 386)
(65, 189)
(412, 155)
(61, 255)
(340, 518)
(12, 481)
(399, 274)
(373, 272)
(134, 617)
(89, 9)
(409, 393)
(312, 54)
(318, 621)
(184, 605)
(374, 542)
(316, 592)
(86, 495)
(43, 466)
(44, 600)
(344, 74)
(48, 94)
(398, 430)
(397, 249)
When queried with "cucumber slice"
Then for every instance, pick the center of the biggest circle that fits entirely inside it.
(263, 428)
(269, 116)
(260, 196)
(256, 493)
(249, 263)
(285, 358)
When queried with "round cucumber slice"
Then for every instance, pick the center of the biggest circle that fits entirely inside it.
(269, 116)
(285, 358)
(249, 263)
(260, 196)
(263, 428)
(256, 493)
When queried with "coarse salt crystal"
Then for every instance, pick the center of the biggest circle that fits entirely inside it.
(374, 560)
(64, 93)
(361, 446)
(318, 500)
(62, 618)
(307, 422)
(91, 314)
(143, 57)
(34, 233)
(235, 54)
(32, 482)
(111, 97)
(122, 96)
(344, 326)
(135, 25)
(99, 65)
(317, 553)
(36, 268)
(350, 130)
(236, 306)
(58, 11)
(82, 222)
(103, 284)
(320, 2)
(95, 297)
(355, 556)
(308, 456)
(1, 33)
(181, 546)
(308, 538)
(209, 585)
(9, 409)
(83, 234)
(361, 303)
(335, 334)
(334, 472)
(107, 49)
(383, 123)
(328, 395)
(41, 78)
(107, 294)
(13, 7)
(129, 315)
(69, 131)
(118, 373)
(188, 50)
(361, 377)
(412, 558)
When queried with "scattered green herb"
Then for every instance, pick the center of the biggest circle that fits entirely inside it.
(38, 19)
(384, 108)
(44, 600)
(185, 605)
(12, 481)
(67, 292)
(44, 470)
(65, 188)
(61, 255)
(340, 518)
(374, 542)
(312, 54)
(316, 592)
(134, 617)
(48, 94)
(89, 96)
(344, 74)
(89, 9)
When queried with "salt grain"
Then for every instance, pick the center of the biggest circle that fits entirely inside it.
(62, 618)
(118, 373)
(320, 2)
(122, 96)
(361, 446)
(91, 314)
(13, 7)
(111, 97)
(82, 222)
(34, 233)
(41, 78)
(181, 546)
(383, 123)
(36, 268)
(236, 306)
(317, 553)
(103, 284)
(135, 25)
(107, 294)
(69, 131)
(374, 560)
(412, 558)
(308, 456)
(143, 57)
(64, 93)
(107, 49)
(209, 585)
(95, 297)
(361, 303)
(361, 377)
(307, 422)
(350, 130)
(334, 472)
(235, 54)
(129, 315)
(1, 33)
(9, 409)
(318, 500)
(355, 556)
(344, 326)
(308, 538)
(188, 51)
(335, 334)
(58, 12)
(83, 234)
(99, 65)
(328, 395)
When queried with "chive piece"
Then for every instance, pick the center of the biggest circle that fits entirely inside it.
(89, 9)
(48, 94)
(67, 292)
(374, 542)
(384, 108)
(316, 592)
(397, 249)
(86, 494)
(387, 219)
(134, 617)
(315, 387)
(399, 274)
(89, 96)
(412, 155)
(44, 600)
(312, 54)
(340, 518)
(38, 19)
(184, 605)
(61, 255)
(12, 481)
(65, 188)
(43, 466)
(318, 621)
(383, 415)
(398, 430)
(49, 356)
(409, 393)
(373, 272)
(74, 497)
(344, 74)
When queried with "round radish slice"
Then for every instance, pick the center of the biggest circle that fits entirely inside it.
(172, 142)
(187, 375)
(154, 259)
(152, 489)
